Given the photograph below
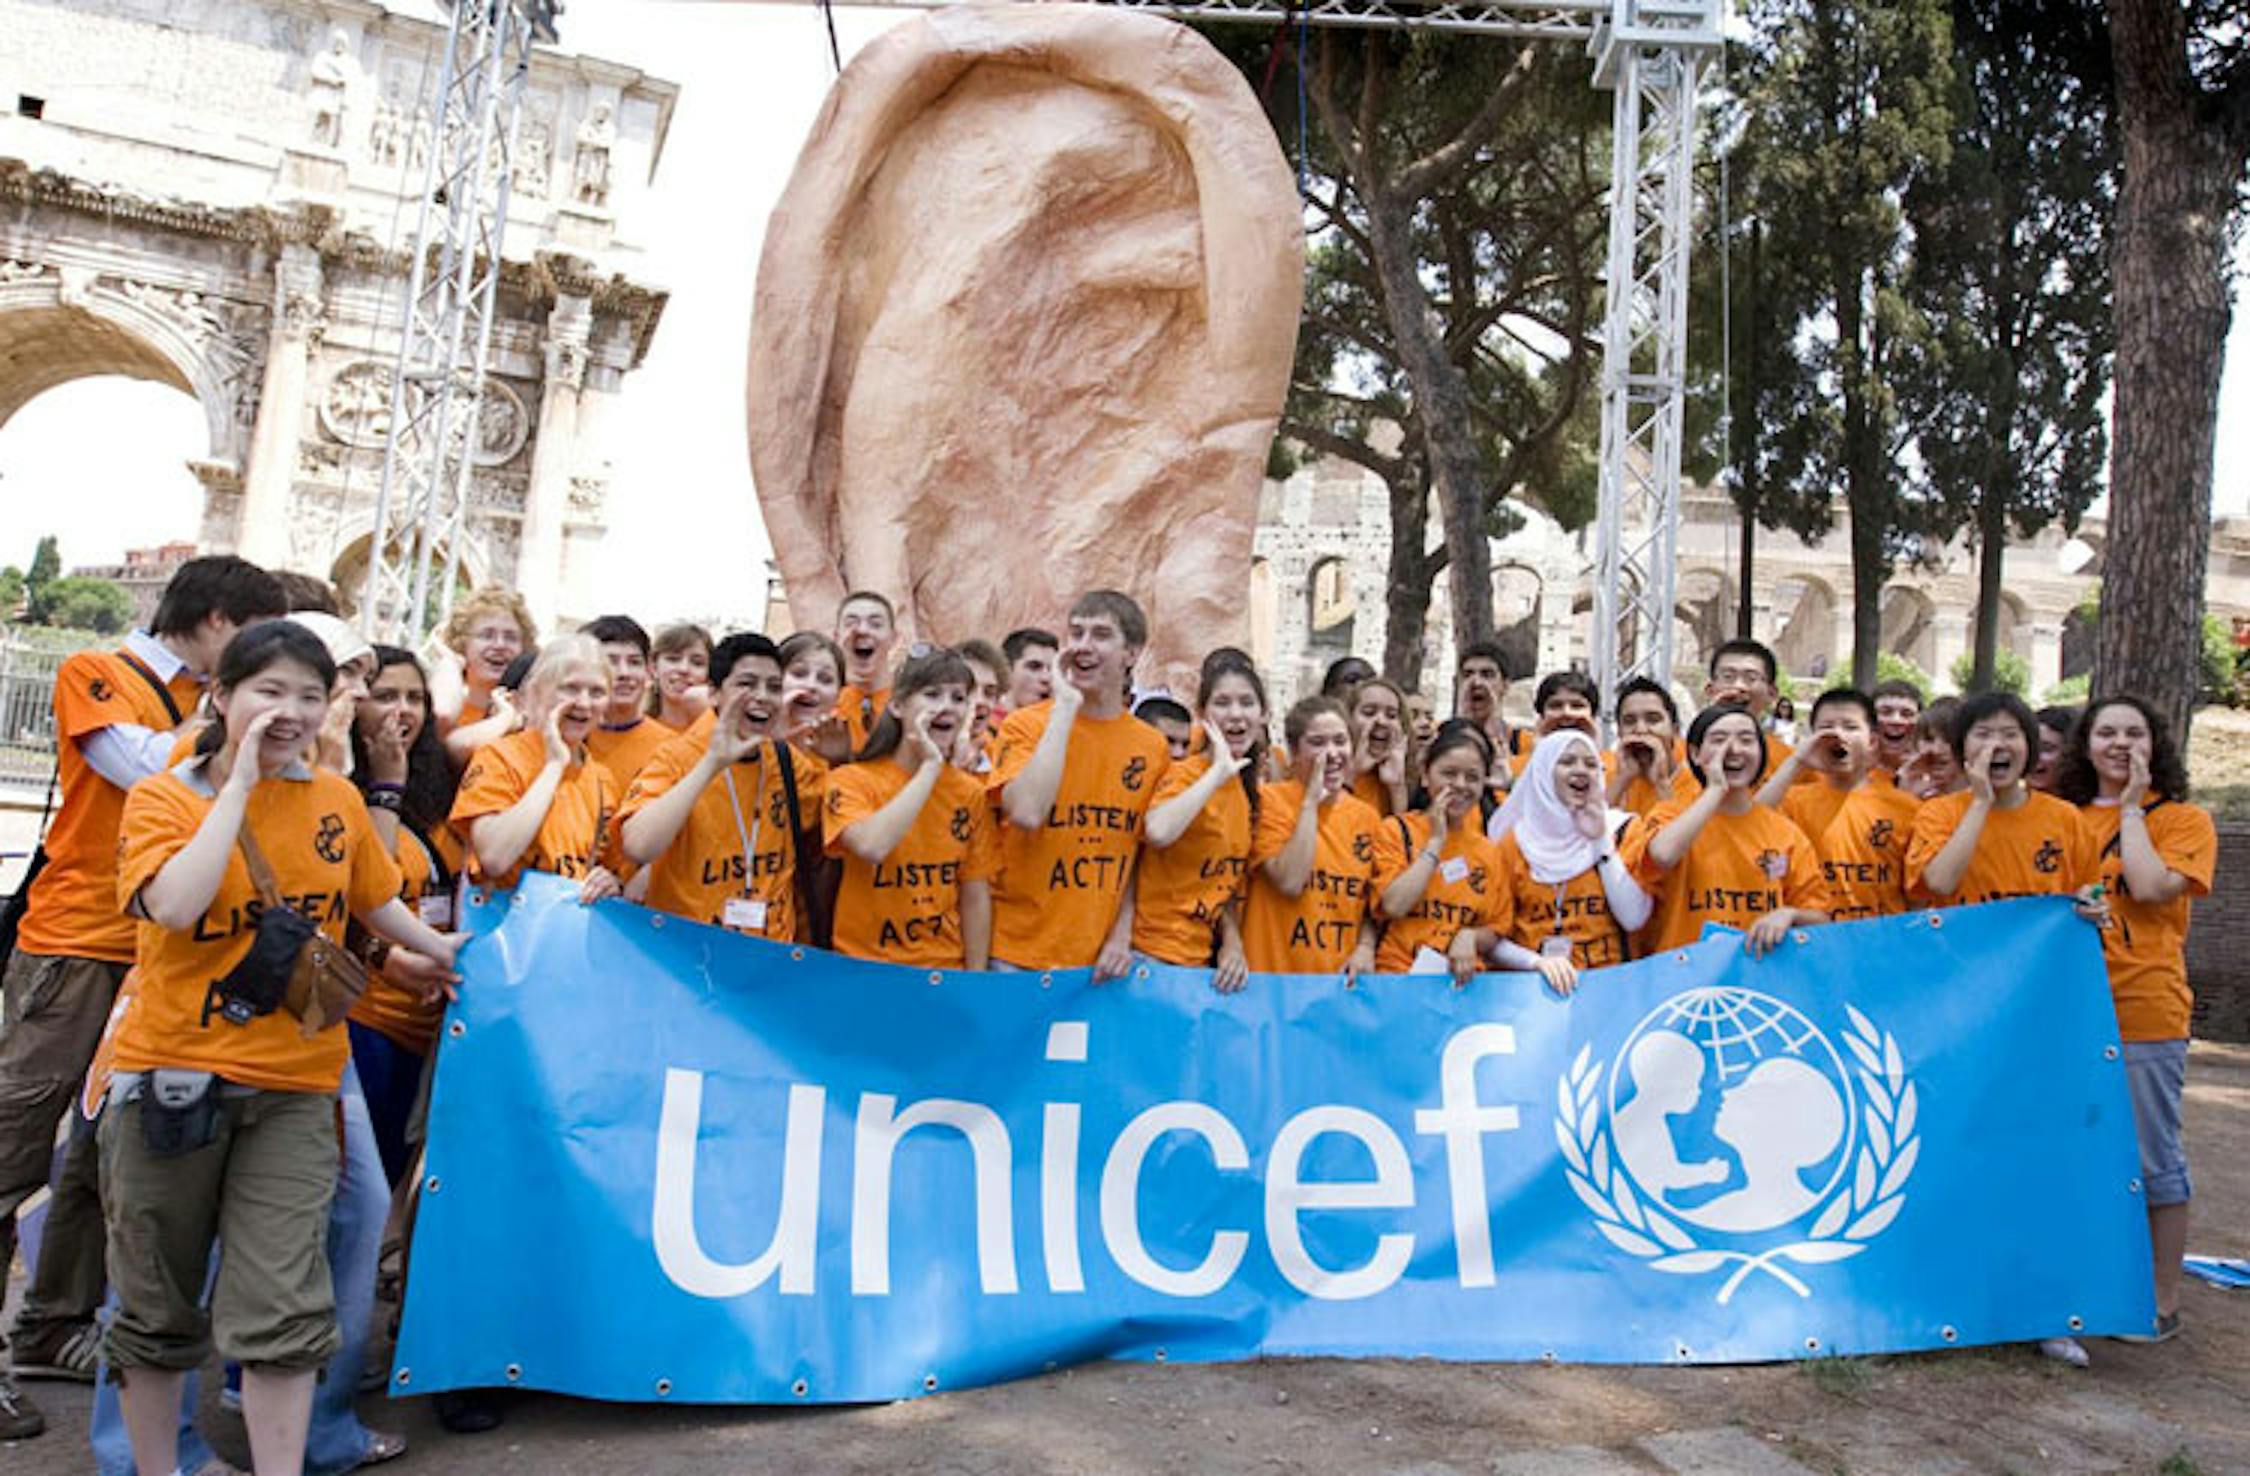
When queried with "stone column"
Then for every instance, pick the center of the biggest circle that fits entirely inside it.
(2046, 656)
(1951, 629)
(554, 458)
(298, 318)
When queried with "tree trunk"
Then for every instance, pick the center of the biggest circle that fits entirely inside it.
(1742, 629)
(1863, 483)
(1993, 500)
(2171, 306)
(1441, 393)
(1406, 601)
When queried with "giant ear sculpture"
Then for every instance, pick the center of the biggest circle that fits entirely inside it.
(1024, 322)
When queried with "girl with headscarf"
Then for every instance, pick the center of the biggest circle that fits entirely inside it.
(1570, 903)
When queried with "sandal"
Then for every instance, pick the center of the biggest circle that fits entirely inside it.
(381, 1447)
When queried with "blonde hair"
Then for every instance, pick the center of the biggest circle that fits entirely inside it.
(556, 660)
(491, 600)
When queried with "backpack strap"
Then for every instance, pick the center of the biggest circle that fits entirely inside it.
(2114, 846)
(163, 693)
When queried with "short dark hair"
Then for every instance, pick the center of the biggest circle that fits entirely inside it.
(1744, 646)
(1119, 607)
(1897, 687)
(1843, 697)
(870, 597)
(1345, 673)
(619, 630)
(737, 646)
(2063, 719)
(1566, 681)
(984, 654)
(2075, 779)
(1488, 650)
(1636, 686)
(1977, 708)
(308, 594)
(1163, 707)
(256, 647)
(219, 584)
(1023, 638)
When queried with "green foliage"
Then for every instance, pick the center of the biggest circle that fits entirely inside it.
(11, 592)
(2220, 670)
(84, 603)
(2069, 692)
(1890, 667)
(2010, 672)
(46, 567)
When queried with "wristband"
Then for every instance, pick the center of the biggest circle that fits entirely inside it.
(380, 787)
(393, 800)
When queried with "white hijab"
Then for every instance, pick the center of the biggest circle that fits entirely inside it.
(1552, 843)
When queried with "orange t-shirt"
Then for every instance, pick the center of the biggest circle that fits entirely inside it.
(399, 1013)
(327, 862)
(1578, 910)
(859, 710)
(623, 751)
(1463, 891)
(1059, 886)
(1315, 931)
(1184, 886)
(1641, 796)
(575, 835)
(906, 908)
(2038, 849)
(1371, 791)
(1740, 868)
(1812, 808)
(702, 870)
(1863, 851)
(73, 905)
(2145, 944)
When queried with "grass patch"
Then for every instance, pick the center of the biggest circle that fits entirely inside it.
(2224, 801)
(2179, 1463)
(1840, 1377)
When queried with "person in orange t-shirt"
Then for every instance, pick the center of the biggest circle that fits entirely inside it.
(1073, 777)
(1722, 857)
(1898, 708)
(1649, 764)
(710, 819)
(812, 677)
(2157, 852)
(680, 667)
(486, 633)
(1745, 673)
(1863, 851)
(536, 799)
(1570, 903)
(1187, 893)
(988, 677)
(1312, 859)
(1382, 777)
(626, 737)
(1437, 882)
(866, 630)
(1836, 754)
(220, 1120)
(2000, 838)
(914, 830)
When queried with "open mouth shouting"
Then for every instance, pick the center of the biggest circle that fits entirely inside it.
(1239, 733)
(1578, 787)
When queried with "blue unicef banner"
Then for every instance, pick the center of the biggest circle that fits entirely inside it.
(670, 1162)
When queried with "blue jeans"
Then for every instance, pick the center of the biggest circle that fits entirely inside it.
(390, 1076)
(337, 1441)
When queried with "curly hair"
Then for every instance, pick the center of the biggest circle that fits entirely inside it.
(491, 600)
(2075, 778)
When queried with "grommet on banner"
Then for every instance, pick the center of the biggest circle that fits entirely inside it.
(656, 919)
(1352, 982)
(2077, 1324)
(2109, 1053)
(1950, 1333)
(430, 1184)
(663, 1388)
(1680, 1350)
(929, 1383)
(1800, 936)
(403, 1377)
(800, 1388)
(1548, 1356)
(936, 978)
(796, 955)
(1141, 972)
(2133, 1186)
(1046, 981)
(1160, 1355)
(1680, 957)
(1812, 1345)
(457, 1030)
(1936, 920)
(514, 1372)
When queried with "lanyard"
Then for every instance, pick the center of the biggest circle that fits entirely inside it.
(748, 838)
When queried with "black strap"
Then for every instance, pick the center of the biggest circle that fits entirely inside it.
(809, 902)
(2114, 846)
(437, 857)
(163, 693)
(1405, 836)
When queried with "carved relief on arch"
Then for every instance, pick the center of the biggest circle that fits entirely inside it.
(355, 408)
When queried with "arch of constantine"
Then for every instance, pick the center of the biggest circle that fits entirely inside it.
(218, 195)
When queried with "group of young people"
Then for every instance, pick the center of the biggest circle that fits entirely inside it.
(1009, 807)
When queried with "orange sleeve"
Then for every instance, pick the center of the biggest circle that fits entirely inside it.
(1393, 854)
(1500, 902)
(89, 696)
(656, 777)
(1019, 736)
(982, 861)
(1934, 825)
(2188, 843)
(1277, 818)
(850, 799)
(375, 875)
(160, 818)
(1633, 849)
(490, 785)
(1177, 780)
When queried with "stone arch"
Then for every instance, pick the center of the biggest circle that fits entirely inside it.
(1330, 606)
(1910, 625)
(2079, 627)
(2014, 622)
(1804, 640)
(1519, 594)
(348, 570)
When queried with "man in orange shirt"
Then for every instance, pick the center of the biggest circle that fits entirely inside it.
(114, 716)
(1073, 777)
(1811, 784)
(626, 737)
(866, 630)
(1031, 667)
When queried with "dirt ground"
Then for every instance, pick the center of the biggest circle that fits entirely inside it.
(2178, 1409)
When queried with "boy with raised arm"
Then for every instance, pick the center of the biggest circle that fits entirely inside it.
(1073, 777)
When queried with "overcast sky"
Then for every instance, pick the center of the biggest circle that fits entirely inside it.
(685, 537)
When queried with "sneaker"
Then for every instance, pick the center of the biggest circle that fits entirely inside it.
(468, 1411)
(72, 1356)
(20, 1419)
(2167, 1328)
(2066, 1350)
(217, 1467)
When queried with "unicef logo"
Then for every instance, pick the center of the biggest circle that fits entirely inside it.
(1728, 1122)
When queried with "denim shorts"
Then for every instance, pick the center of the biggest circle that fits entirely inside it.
(2155, 1072)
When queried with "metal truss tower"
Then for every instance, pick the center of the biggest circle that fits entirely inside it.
(437, 383)
(1651, 55)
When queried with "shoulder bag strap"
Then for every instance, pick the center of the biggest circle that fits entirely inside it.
(163, 693)
(2115, 845)
(261, 875)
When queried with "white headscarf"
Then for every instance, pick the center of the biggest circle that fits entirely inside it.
(345, 645)
(1552, 843)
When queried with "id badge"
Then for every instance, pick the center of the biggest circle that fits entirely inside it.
(1555, 945)
(436, 912)
(745, 914)
(1454, 869)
